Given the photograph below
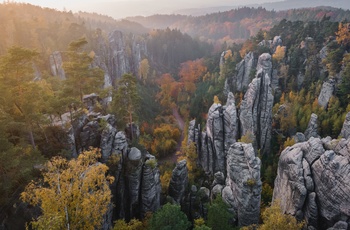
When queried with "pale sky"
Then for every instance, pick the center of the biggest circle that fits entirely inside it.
(123, 8)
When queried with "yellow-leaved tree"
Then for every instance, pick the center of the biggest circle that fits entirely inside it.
(279, 53)
(274, 218)
(74, 194)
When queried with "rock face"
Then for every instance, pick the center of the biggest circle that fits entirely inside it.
(243, 184)
(137, 187)
(179, 182)
(244, 74)
(56, 65)
(114, 57)
(150, 187)
(256, 107)
(221, 133)
(312, 127)
(313, 182)
(326, 93)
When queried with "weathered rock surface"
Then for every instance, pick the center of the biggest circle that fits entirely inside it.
(256, 107)
(114, 57)
(244, 73)
(179, 182)
(243, 181)
(107, 137)
(312, 127)
(221, 132)
(56, 64)
(313, 182)
(345, 131)
(230, 122)
(150, 188)
(326, 93)
(120, 144)
(90, 101)
(134, 174)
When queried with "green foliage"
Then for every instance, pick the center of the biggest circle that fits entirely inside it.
(273, 218)
(18, 166)
(133, 224)
(171, 47)
(152, 163)
(344, 87)
(218, 215)
(334, 58)
(74, 194)
(169, 217)
(266, 194)
(251, 182)
(81, 78)
(126, 100)
(247, 138)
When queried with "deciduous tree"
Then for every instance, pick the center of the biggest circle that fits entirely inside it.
(74, 194)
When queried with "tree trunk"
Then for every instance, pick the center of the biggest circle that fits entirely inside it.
(131, 126)
(31, 136)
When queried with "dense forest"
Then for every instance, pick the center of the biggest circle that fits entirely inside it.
(105, 124)
(239, 24)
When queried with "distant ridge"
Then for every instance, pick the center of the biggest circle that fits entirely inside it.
(282, 5)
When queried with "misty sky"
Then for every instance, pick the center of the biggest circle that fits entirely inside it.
(124, 8)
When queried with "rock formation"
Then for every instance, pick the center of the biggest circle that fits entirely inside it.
(56, 64)
(312, 127)
(137, 188)
(179, 182)
(113, 57)
(313, 182)
(326, 93)
(150, 186)
(256, 107)
(243, 184)
(220, 134)
(244, 74)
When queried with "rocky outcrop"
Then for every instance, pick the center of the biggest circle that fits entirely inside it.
(179, 182)
(151, 187)
(137, 188)
(134, 166)
(56, 64)
(107, 137)
(91, 101)
(244, 73)
(312, 127)
(113, 55)
(345, 131)
(256, 107)
(221, 133)
(243, 185)
(313, 182)
(326, 93)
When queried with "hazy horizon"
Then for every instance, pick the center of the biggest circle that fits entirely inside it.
(119, 9)
(125, 8)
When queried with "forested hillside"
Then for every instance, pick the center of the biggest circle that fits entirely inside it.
(238, 24)
(107, 125)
